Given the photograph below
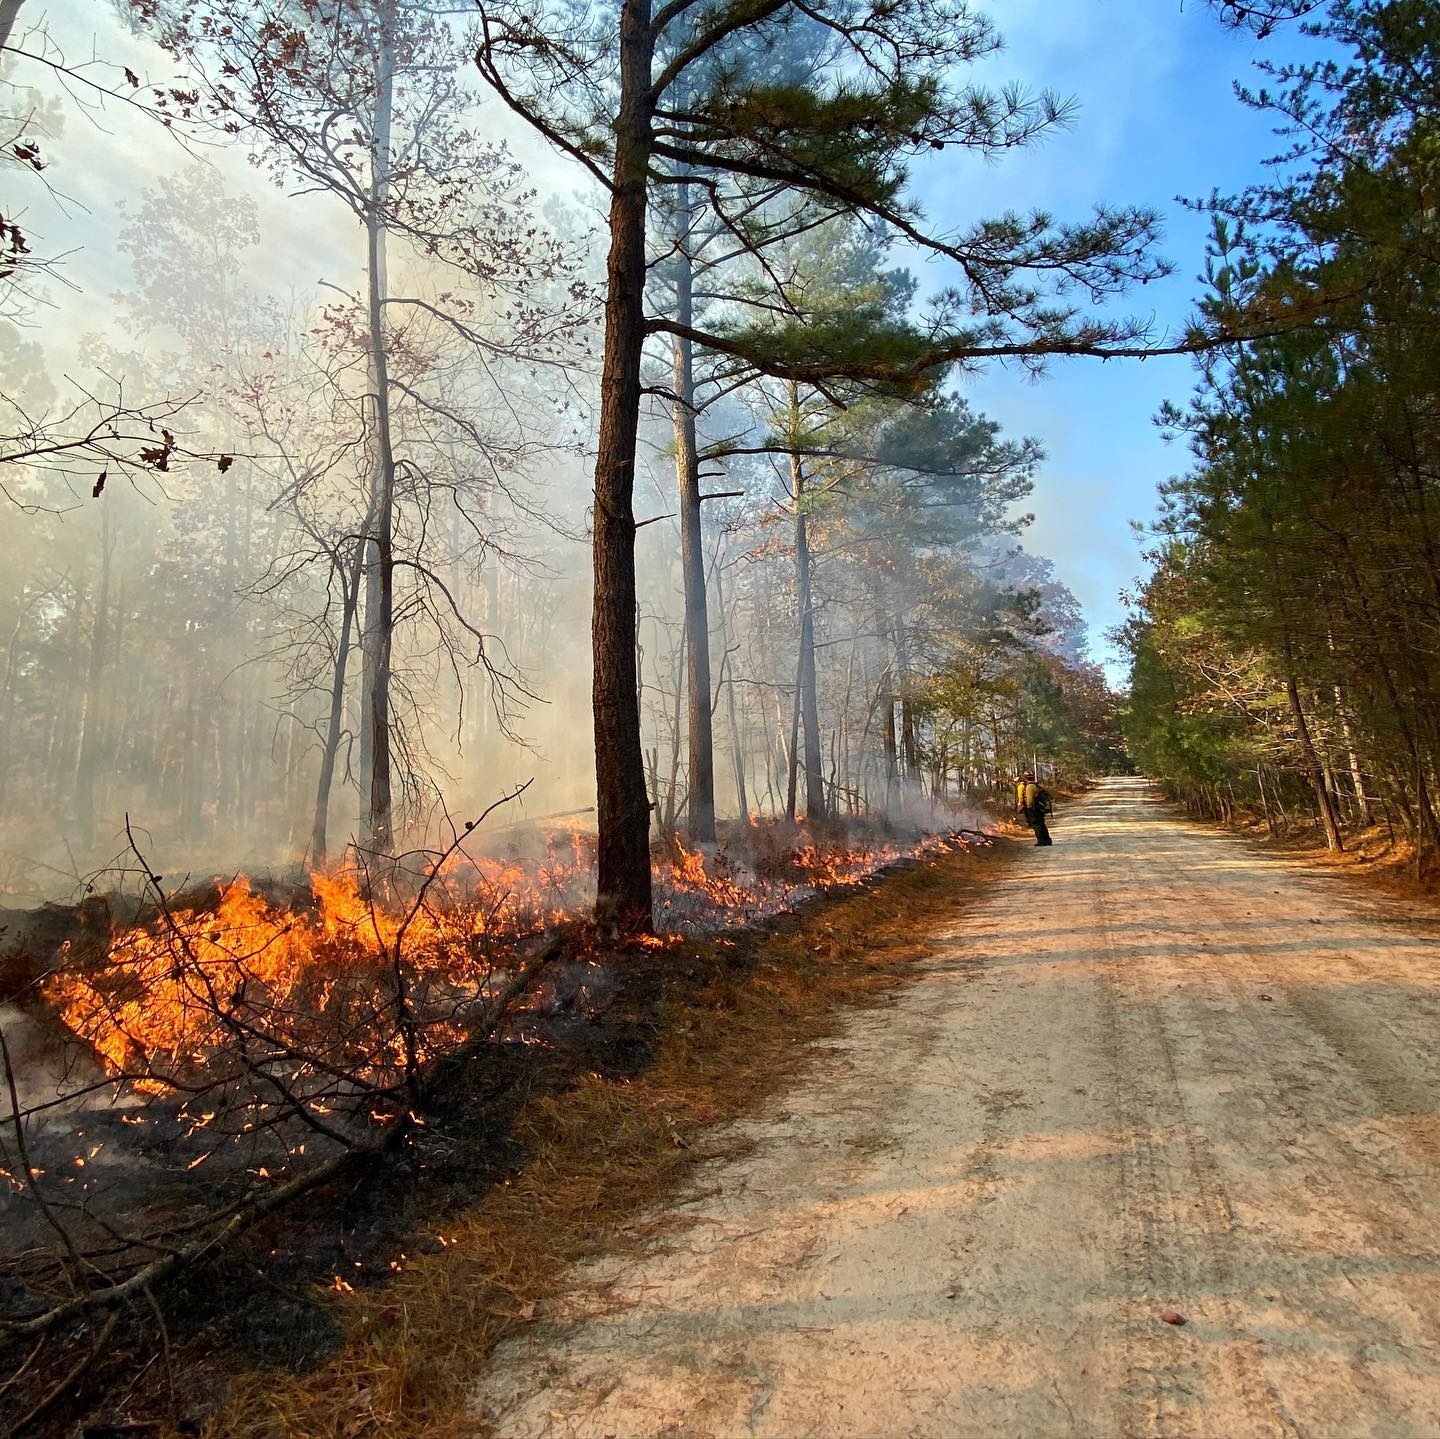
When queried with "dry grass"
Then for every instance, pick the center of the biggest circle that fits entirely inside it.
(1372, 858)
(602, 1155)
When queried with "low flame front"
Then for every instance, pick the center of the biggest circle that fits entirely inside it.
(167, 996)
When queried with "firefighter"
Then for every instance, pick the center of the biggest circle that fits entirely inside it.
(1032, 801)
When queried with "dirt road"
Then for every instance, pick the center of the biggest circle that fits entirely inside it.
(1149, 1070)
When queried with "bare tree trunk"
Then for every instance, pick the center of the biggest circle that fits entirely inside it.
(229, 715)
(769, 753)
(809, 701)
(909, 742)
(1426, 808)
(885, 702)
(623, 890)
(887, 737)
(1421, 818)
(318, 832)
(1332, 784)
(737, 752)
(909, 745)
(777, 755)
(737, 738)
(1265, 800)
(792, 760)
(377, 827)
(676, 725)
(700, 808)
(1312, 760)
(1357, 779)
(87, 759)
(846, 766)
(654, 762)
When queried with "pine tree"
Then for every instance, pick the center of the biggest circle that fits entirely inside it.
(632, 95)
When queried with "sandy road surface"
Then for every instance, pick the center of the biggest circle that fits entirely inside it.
(1149, 1069)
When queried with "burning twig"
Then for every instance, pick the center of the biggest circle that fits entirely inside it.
(247, 1215)
(404, 1017)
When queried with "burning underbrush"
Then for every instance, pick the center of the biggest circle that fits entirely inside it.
(348, 992)
(185, 1063)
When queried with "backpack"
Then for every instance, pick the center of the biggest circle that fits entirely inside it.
(1043, 802)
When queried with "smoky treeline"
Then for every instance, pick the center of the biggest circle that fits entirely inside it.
(1285, 647)
(297, 562)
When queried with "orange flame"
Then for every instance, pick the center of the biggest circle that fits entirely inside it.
(169, 994)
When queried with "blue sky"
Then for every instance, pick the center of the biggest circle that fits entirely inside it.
(1157, 119)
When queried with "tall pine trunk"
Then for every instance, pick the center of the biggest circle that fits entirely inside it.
(319, 839)
(1265, 801)
(676, 724)
(888, 744)
(700, 809)
(1312, 760)
(1328, 819)
(809, 700)
(1420, 815)
(792, 755)
(737, 736)
(1352, 759)
(377, 823)
(623, 893)
(909, 741)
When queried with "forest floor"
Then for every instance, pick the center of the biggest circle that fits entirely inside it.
(1148, 1072)
(1373, 859)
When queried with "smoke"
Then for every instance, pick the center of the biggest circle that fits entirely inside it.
(173, 634)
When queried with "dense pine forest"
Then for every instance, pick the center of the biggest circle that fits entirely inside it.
(1286, 646)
